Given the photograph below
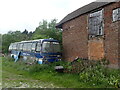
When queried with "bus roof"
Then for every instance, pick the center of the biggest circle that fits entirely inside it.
(37, 40)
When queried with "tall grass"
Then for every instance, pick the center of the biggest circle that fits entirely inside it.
(86, 74)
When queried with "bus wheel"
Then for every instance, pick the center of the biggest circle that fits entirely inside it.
(12, 56)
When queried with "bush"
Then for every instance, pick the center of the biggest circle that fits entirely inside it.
(78, 66)
(100, 75)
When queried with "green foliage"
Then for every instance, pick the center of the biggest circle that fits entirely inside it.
(47, 30)
(12, 37)
(95, 76)
(45, 67)
(0, 43)
(39, 68)
(99, 76)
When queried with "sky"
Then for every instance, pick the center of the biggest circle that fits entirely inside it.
(26, 14)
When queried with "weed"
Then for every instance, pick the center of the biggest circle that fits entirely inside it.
(80, 74)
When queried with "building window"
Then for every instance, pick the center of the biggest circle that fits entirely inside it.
(96, 23)
(116, 14)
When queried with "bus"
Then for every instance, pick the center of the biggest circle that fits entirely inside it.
(41, 50)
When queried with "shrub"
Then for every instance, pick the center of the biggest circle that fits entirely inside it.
(100, 75)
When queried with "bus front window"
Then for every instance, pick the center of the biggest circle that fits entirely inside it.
(56, 47)
(50, 47)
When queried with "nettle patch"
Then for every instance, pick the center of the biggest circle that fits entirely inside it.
(80, 65)
(99, 75)
(94, 73)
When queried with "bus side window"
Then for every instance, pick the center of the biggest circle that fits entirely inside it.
(14, 46)
(29, 46)
(21, 47)
(38, 48)
(10, 47)
(24, 46)
(17, 47)
(33, 46)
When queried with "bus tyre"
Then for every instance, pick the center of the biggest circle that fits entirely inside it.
(12, 56)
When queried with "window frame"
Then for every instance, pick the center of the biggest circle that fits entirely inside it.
(118, 14)
(96, 23)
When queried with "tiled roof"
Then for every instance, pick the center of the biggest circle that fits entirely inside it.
(81, 11)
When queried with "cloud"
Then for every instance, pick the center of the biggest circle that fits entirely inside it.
(26, 14)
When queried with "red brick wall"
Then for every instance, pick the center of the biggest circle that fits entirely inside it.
(119, 44)
(111, 34)
(75, 37)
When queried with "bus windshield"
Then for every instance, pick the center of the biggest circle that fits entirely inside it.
(51, 47)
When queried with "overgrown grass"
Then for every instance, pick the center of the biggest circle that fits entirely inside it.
(93, 76)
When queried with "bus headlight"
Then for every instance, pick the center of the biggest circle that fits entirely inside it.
(58, 56)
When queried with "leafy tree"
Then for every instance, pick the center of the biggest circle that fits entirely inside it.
(0, 43)
(47, 30)
(11, 37)
(25, 32)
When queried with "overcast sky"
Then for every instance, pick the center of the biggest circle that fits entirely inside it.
(26, 14)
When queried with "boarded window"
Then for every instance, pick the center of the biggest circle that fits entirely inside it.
(96, 23)
(116, 14)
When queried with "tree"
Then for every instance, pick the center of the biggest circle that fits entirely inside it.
(0, 43)
(25, 32)
(47, 30)
(14, 36)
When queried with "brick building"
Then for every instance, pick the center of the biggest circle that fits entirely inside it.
(93, 32)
